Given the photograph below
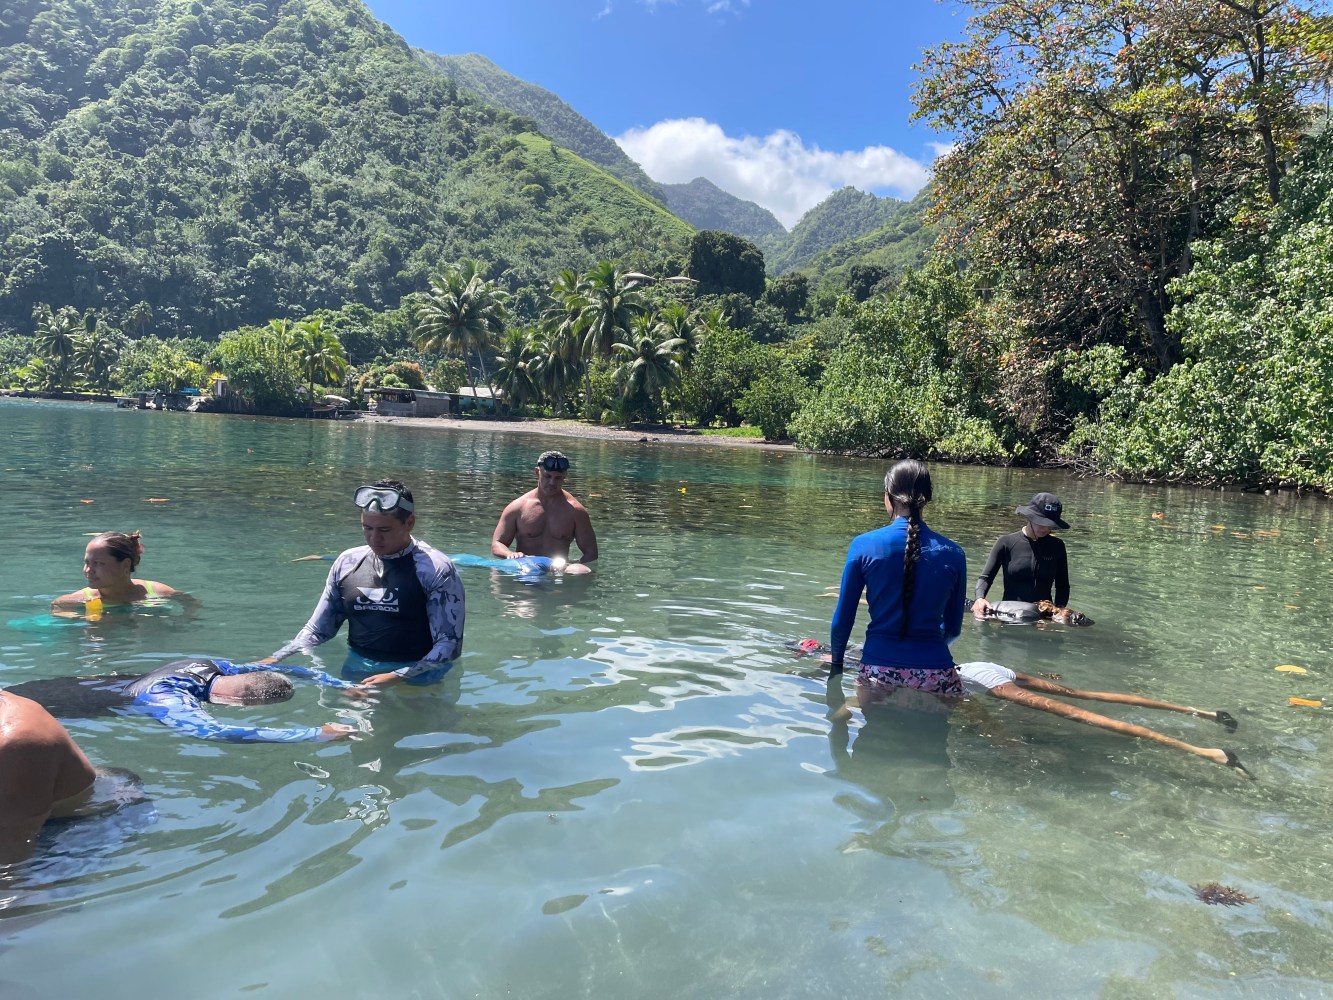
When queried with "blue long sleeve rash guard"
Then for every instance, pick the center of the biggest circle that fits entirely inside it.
(875, 565)
(176, 699)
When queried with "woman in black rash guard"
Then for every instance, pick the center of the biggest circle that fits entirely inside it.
(1035, 565)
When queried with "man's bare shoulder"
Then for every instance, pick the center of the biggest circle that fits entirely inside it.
(574, 502)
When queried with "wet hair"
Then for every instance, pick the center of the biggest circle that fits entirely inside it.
(261, 687)
(393, 484)
(122, 546)
(907, 484)
(553, 461)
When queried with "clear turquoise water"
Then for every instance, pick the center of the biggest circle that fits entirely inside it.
(632, 797)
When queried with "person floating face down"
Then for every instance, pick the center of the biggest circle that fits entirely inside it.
(402, 600)
(109, 562)
(175, 694)
(546, 520)
(1035, 565)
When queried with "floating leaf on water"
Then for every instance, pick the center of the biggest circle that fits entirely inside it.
(1290, 668)
(157, 499)
(554, 906)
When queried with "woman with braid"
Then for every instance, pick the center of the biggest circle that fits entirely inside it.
(915, 581)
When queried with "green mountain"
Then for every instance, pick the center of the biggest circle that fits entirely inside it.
(704, 205)
(899, 244)
(844, 216)
(553, 117)
(232, 162)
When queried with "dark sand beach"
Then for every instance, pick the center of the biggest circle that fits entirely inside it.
(579, 429)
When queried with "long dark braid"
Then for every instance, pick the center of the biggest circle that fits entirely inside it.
(907, 484)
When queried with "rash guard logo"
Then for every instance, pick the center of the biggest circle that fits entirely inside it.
(376, 599)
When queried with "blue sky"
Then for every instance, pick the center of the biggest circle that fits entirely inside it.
(777, 101)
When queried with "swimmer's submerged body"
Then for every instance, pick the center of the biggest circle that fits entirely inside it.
(1024, 689)
(546, 521)
(109, 562)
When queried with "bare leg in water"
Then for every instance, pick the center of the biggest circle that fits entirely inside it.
(1021, 689)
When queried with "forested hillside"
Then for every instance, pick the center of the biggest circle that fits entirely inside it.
(901, 243)
(704, 205)
(231, 162)
(553, 116)
(843, 216)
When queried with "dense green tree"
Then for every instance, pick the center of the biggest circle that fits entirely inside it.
(790, 293)
(260, 368)
(1097, 138)
(1253, 399)
(723, 263)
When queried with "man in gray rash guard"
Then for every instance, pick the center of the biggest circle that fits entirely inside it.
(402, 600)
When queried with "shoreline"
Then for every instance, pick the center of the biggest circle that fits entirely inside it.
(578, 429)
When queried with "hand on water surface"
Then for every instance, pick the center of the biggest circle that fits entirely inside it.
(336, 731)
(361, 694)
(380, 680)
(266, 660)
(979, 608)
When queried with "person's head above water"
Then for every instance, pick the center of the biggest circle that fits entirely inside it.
(907, 489)
(388, 514)
(551, 469)
(262, 687)
(111, 557)
(907, 486)
(1043, 513)
(553, 461)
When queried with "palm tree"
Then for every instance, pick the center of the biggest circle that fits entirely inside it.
(562, 325)
(54, 336)
(649, 365)
(675, 321)
(607, 310)
(96, 353)
(141, 313)
(513, 374)
(319, 353)
(462, 312)
(555, 363)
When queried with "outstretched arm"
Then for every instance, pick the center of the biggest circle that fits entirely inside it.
(323, 625)
(994, 563)
(184, 713)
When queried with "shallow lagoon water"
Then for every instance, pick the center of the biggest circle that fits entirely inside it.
(623, 792)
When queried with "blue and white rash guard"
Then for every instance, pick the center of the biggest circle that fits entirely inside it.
(175, 694)
(405, 608)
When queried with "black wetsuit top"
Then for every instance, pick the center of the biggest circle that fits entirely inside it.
(1032, 568)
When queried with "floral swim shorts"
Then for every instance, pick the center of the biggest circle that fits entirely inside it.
(944, 682)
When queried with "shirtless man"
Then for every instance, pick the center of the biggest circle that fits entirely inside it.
(43, 774)
(543, 521)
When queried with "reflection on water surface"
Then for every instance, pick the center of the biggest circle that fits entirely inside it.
(625, 786)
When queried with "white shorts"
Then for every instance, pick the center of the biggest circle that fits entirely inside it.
(982, 676)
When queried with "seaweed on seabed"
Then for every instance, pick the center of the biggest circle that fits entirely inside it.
(1221, 895)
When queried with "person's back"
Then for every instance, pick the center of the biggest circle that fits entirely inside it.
(941, 568)
(42, 773)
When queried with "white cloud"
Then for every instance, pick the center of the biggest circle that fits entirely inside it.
(778, 171)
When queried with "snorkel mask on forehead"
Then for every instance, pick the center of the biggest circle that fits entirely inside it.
(381, 499)
(554, 462)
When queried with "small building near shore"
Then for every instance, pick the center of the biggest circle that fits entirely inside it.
(413, 403)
